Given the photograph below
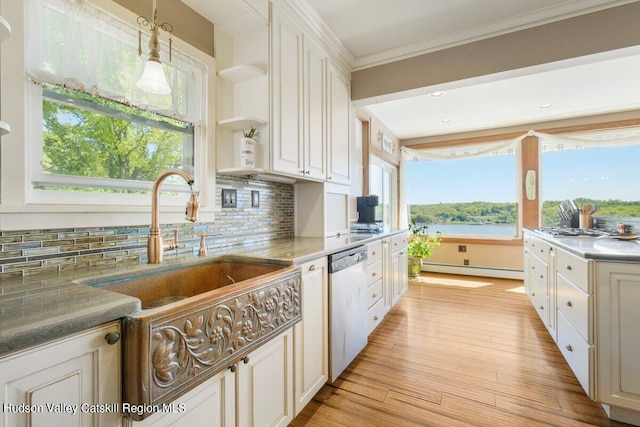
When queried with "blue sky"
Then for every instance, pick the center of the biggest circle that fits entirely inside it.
(598, 173)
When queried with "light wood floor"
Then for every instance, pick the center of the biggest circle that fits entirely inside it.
(457, 351)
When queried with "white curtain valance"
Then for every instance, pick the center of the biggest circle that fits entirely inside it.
(75, 44)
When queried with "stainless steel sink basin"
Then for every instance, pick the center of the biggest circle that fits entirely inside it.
(198, 319)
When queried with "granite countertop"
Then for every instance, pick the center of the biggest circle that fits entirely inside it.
(605, 248)
(35, 310)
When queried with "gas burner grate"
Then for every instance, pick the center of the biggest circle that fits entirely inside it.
(569, 232)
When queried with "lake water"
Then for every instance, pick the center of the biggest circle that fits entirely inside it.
(500, 230)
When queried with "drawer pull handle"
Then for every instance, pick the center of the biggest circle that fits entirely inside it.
(569, 304)
(245, 359)
(374, 296)
(375, 318)
(374, 253)
(568, 267)
(312, 267)
(233, 367)
(533, 267)
(542, 307)
(533, 294)
(374, 274)
(542, 276)
(569, 347)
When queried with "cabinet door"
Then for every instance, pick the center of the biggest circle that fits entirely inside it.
(396, 287)
(286, 96)
(57, 379)
(618, 334)
(339, 119)
(403, 267)
(265, 384)
(311, 336)
(387, 275)
(211, 404)
(315, 159)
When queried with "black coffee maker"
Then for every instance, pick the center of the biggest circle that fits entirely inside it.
(366, 206)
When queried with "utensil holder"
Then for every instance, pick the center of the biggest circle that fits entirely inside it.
(586, 221)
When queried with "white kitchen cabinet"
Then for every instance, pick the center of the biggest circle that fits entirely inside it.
(72, 381)
(311, 334)
(322, 209)
(375, 312)
(211, 404)
(314, 164)
(399, 267)
(618, 344)
(286, 95)
(540, 280)
(339, 121)
(265, 384)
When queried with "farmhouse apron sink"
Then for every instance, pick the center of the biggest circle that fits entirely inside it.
(197, 320)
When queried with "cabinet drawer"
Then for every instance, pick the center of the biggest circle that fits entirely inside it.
(574, 268)
(374, 272)
(538, 247)
(398, 242)
(538, 272)
(375, 292)
(576, 351)
(375, 315)
(573, 303)
(374, 252)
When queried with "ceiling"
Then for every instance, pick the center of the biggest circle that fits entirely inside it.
(379, 31)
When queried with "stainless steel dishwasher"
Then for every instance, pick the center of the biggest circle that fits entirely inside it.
(348, 309)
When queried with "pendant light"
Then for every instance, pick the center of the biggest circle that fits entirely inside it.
(153, 79)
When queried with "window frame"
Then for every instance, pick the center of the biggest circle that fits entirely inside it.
(23, 207)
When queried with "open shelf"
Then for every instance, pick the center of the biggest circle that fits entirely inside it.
(241, 73)
(240, 123)
(4, 128)
(5, 29)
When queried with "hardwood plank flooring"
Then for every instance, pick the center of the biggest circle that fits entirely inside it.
(457, 351)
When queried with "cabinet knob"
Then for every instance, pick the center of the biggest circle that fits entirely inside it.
(374, 253)
(568, 267)
(375, 318)
(542, 307)
(233, 367)
(374, 296)
(245, 359)
(329, 177)
(569, 347)
(374, 274)
(533, 294)
(312, 267)
(112, 338)
(569, 304)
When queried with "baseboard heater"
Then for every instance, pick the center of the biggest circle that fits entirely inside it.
(468, 270)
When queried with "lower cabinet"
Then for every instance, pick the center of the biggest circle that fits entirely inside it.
(618, 314)
(72, 381)
(398, 263)
(257, 390)
(311, 334)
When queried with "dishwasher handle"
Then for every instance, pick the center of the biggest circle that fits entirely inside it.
(345, 259)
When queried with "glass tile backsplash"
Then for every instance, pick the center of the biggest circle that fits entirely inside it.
(30, 252)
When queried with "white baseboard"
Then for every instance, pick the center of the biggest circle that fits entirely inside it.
(500, 273)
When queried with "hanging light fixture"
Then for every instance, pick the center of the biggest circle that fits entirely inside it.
(153, 79)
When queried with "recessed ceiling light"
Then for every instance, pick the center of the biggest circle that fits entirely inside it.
(446, 120)
(436, 94)
(545, 105)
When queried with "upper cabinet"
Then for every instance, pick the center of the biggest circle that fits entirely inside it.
(302, 107)
(310, 104)
(339, 114)
(5, 32)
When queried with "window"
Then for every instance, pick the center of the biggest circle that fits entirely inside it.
(100, 134)
(596, 167)
(382, 183)
(464, 191)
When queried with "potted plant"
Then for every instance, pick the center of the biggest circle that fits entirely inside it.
(248, 147)
(420, 245)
